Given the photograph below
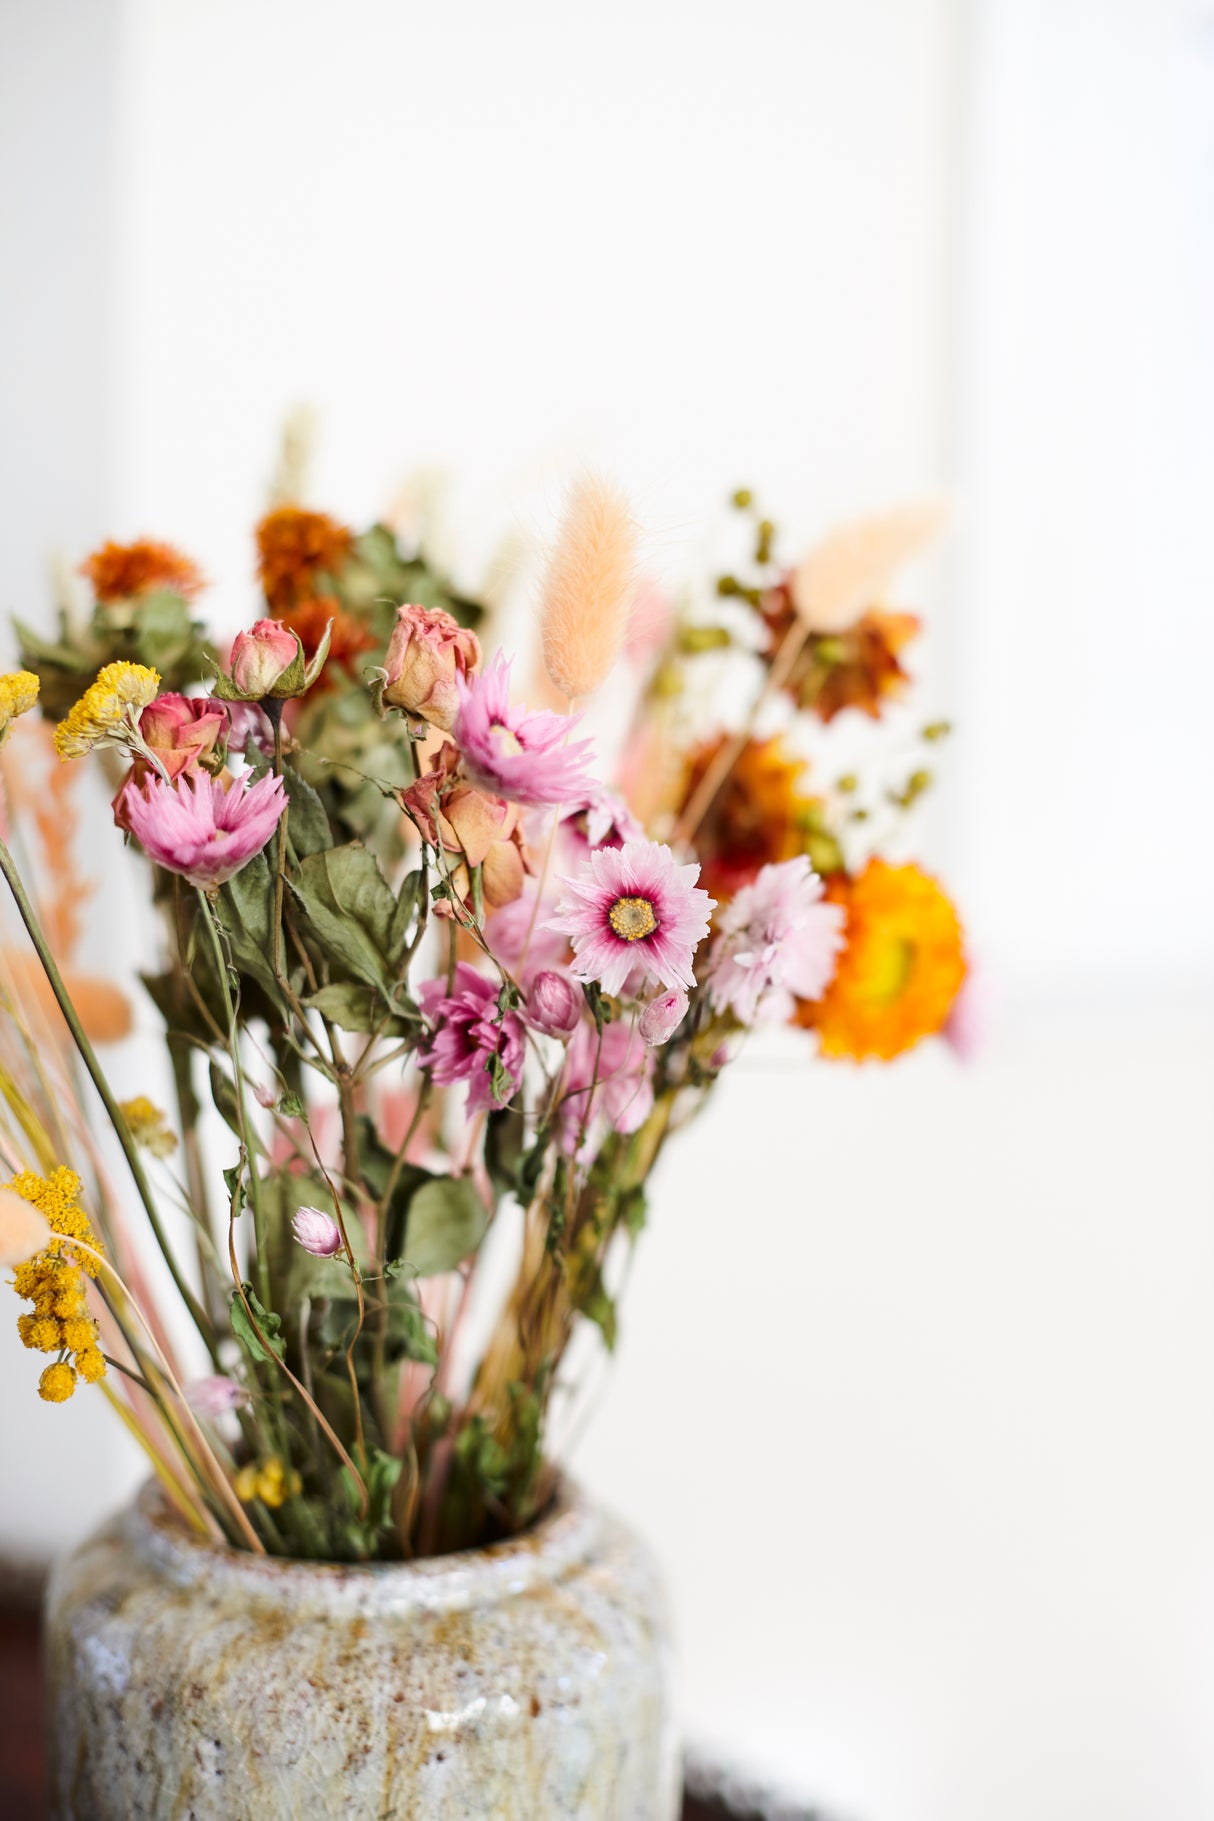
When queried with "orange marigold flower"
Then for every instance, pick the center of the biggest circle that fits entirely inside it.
(125, 572)
(859, 667)
(348, 640)
(760, 816)
(901, 967)
(294, 548)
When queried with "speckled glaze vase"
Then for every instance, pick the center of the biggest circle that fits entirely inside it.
(525, 1682)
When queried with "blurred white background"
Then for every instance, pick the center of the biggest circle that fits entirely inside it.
(915, 1390)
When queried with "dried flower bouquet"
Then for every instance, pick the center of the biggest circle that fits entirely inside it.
(435, 980)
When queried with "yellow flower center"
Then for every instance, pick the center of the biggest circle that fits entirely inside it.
(890, 968)
(632, 918)
(507, 741)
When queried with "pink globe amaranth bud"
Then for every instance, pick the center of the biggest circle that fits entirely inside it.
(663, 1016)
(261, 658)
(554, 1004)
(316, 1232)
(428, 650)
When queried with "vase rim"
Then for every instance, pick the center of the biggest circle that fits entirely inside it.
(567, 1534)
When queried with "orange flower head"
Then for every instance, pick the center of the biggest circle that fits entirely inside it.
(294, 549)
(859, 667)
(126, 572)
(348, 640)
(760, 815)
(901, 967)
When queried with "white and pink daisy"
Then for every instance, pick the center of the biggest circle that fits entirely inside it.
(471, 1039)
(519, 755)
(775, 939)
(200, 830)
(633, 913)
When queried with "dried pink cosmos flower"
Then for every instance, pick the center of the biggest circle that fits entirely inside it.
(200, 830)
(215, 1397)
(606, 1079)
(471, 1038)
(632, 912)
(663, 1016)
(317, 1232)
(554, 1004)
(774, 939)
(525, 757)
(428, 650)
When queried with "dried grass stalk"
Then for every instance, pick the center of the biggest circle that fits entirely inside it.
(588, 588)
(850, 569)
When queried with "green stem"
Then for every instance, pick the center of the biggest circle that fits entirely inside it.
(88, 1056)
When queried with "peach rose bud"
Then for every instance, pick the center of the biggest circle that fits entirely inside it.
(427, 652)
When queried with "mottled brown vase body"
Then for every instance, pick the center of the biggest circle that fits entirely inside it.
(527, 1682)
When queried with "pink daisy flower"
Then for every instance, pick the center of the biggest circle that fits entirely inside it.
(525, 757)
(200, 830)
(470, 1039)
(632, 913)
(611, 1084)
(774, 939)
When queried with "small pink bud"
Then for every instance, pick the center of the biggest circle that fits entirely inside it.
(663, 1016)
(261, 658)
(554, 1004)
(317, 1233)
(215, 1397)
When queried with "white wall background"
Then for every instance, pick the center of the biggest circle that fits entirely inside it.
(915, 1381)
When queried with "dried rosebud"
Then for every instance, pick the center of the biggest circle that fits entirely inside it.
(215, 1397)
(317, 1233)
(428, 650)
(268, 664)
(663, 1016)
(183, 731)
(554, 1004)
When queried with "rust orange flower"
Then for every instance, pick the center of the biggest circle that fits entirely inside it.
(348, 640)
(294, 549)
(859, 667)
(125, 572)
(901, 967)
(760, 816)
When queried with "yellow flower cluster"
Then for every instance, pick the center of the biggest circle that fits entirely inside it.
(54, 1282)
(18, 693)
(270, 1481)
(149, 1127)
(106, 708)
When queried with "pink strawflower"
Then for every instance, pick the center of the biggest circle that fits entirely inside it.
(603, 820)
(317, 1232)
(200, 830)
(554, 1004)
(774, 939)
(610, 1084)
(663, 1016)
(428, 650)
(525, 757)
(215, 1397)
(471, 1039)
(632, 913)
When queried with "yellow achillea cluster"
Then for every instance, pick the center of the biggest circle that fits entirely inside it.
(149, 1127)
(270, 1481)
(18, 693)
(54, 1282)
(106, 708)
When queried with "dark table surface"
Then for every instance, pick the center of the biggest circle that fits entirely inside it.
(22, 1780)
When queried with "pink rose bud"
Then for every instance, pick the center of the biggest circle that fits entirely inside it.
(427, 652)
(317, 1233)
(554, 1004)
(183, 731)
(215, 1397)
(262, 657)
(663, 1016)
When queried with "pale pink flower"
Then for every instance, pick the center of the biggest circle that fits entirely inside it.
(317, 1232)
(602, 820)
(249, 728)
(261, 657)
(607, 1083)
(554, 1004)
(632, 913)
(966, 1027)
(518, 937)
(471, 1038)
(198, 829)
(775, 939)
(215, 1397)
(428, 650)
(663, 1016)
(523, 756)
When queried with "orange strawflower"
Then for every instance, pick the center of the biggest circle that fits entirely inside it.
(348, 639)
(294, 548)
(125, 572)
(760, 815)
(859, 667)
(901, 967)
